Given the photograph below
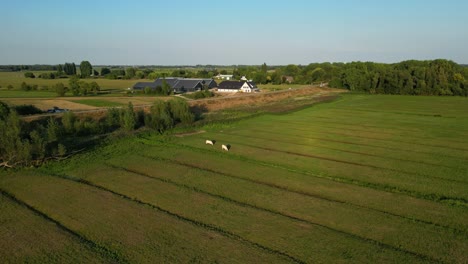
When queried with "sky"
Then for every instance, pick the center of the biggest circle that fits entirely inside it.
(240, 32)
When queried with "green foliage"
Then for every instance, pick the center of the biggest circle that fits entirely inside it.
(128, 121)
(200, 94)
(10, 87)
(130, 73)
(105, 71)
(69, 68)
(29, 75)
(27, 110)
(53, 130)
(74, 84)
(47, 75)
(68, 121)
(159, 117)
(4, 110)
(86, 69)
(60, 89)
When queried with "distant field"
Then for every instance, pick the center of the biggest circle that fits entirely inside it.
(16, 78)
(364, 179)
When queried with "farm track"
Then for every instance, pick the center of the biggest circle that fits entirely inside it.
(337, 149)
(199, 224)
(364, 144)
(380, 187)
(286, 189)
(340, 161)
(367, 131)
(103, 251)
(291, 217)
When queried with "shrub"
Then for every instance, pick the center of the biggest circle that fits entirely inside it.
(27, 110)
(29, 75)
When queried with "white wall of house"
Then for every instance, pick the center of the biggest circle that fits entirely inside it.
(246, 88)
(228, 90)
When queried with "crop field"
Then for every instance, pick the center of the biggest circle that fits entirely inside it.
(16, 78)
(362, 179)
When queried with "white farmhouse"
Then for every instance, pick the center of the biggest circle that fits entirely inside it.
(237, 86)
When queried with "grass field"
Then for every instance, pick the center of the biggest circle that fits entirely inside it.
(98, 103)
(16, 78)
(374, 179)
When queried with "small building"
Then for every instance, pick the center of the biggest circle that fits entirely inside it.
(224, 76)
(237, 86)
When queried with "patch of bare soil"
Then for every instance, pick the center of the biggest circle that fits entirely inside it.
(261, 98)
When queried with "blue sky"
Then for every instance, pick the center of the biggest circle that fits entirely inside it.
(220, 32)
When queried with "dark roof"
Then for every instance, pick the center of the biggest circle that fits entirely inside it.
(235, 85)
(143, 85)
(186, 84)
(230, 85)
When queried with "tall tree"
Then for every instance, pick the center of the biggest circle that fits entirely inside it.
(86, 69)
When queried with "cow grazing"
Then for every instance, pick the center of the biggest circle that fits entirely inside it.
(226, 147)
(209, 142)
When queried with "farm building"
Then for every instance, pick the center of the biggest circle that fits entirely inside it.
(178, 85)
(224, 76)
(237, 86)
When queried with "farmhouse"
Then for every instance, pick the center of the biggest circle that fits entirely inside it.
(237, 86)
(178, 85)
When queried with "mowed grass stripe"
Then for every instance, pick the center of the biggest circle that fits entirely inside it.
(461, 151)
(432, 189)
(395, 126)
(419, 136)
(292, 139)
(179, 199)
(134, 231)
(305, 133)
(288, 190)
(28, 235)
(303, 183)
(375, 162)
(191, 221)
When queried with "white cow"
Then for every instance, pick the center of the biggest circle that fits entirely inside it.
(225, 147)
(209, 142)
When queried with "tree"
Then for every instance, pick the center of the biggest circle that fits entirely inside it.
(60, 89)
(264, 68)
(29, 75)
(69, 68)
(74, 84)
(86, 69)
(94, 87)
(130, 72)
(129, 119)
(25, 86)
(105, 71)
(10, 87)
(159, 117)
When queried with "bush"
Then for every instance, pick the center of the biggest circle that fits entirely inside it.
(27, 110)
(29, 75)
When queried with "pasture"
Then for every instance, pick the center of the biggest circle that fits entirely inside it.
(373, 179)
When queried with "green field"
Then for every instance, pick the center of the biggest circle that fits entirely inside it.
(98, 103)
(16, 78)
(363, 179)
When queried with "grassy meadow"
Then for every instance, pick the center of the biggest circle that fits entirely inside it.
(373, 179)
(16, 78)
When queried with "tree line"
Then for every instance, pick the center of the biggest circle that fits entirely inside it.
(32, 143)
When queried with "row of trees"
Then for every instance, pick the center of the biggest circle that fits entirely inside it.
(25, 144)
